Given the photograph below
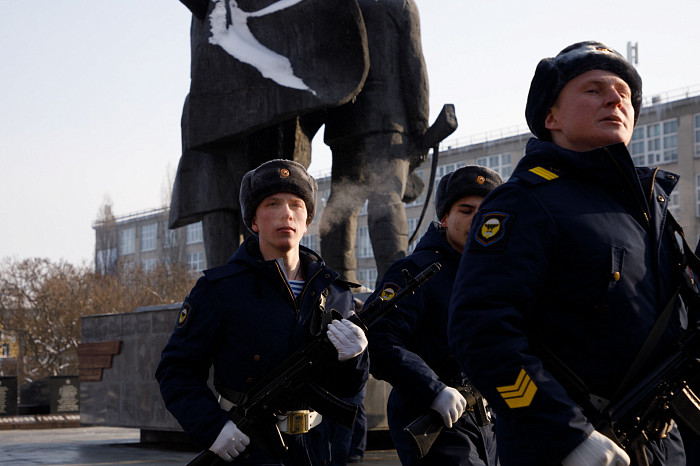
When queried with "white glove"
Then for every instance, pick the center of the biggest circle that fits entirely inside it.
(348, 339)
(230, 443)
(597, 450)
(450, 404)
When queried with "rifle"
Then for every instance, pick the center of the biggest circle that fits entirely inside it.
(424, 430)
(666, 393)
(256, 414)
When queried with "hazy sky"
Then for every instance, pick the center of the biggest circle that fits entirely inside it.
(91, 93)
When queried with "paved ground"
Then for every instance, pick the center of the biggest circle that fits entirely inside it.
(107, 446)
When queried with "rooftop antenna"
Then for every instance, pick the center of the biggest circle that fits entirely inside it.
(633, 53)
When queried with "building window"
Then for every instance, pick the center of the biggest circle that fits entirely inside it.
(309, 241)
(636, 147)
(149, 237)
(697, 135)
(127, 240)
(194, 233)
(367, 277)
(5, 350)
(195, 261)
(169, 237)
(674, 205)
(655, 144)
(697, 195)
(106, 258)
(149, 265)
(412, 223)
(324, 198)
(501, 164)
(364, 245)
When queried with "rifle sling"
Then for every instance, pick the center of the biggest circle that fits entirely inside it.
(572, 382)
(649, 344)
(433, 170)
(689, 259)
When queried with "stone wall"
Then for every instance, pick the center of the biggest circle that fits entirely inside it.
(128, 394)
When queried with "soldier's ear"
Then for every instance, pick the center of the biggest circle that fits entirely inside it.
(551, 122)
(443, 220)
(254, 226)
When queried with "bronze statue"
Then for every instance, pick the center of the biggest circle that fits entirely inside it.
(265, 75)
(261, 74)
(376, 141)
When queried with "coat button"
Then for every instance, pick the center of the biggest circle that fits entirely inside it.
(660, 198)
(328, 275)
(670, 177)
(256, 358)
(249, 380)
(616, 276)
(313, 293)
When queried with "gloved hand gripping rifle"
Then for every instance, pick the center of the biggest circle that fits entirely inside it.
(424, 430)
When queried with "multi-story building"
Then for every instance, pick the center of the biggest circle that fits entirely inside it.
(143, 238)
(667, 135)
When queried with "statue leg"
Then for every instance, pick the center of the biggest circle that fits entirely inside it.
(339, 221)
(222, 235)
(386, 213)
(223, 228)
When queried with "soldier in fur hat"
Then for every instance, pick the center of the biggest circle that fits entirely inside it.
(246, 317)
(409, 346)
(567, 269)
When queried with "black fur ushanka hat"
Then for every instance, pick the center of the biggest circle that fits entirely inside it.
(552, 74)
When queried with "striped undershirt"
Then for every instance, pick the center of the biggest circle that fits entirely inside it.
(297, 286)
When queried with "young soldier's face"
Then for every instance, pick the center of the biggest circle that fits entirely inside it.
(280, 221)
(458, 221)
(592, 110)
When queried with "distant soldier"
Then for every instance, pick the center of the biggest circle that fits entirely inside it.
(409, 346)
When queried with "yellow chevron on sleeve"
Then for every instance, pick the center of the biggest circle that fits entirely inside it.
(544, 173)
(521, 393)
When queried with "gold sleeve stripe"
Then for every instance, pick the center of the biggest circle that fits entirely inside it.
(521, 393)
(544, 173)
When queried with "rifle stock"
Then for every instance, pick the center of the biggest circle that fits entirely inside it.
(255, 415)
(444, 125)
(424, 430)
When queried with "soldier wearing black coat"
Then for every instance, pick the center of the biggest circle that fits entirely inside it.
(568, 267)
(246, 317)
(409, 346)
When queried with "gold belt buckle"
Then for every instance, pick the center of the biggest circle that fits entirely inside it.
(298, 422)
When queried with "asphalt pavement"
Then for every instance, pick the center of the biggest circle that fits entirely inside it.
(109, 446)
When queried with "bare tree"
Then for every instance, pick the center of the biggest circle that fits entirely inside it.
(42, 302)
